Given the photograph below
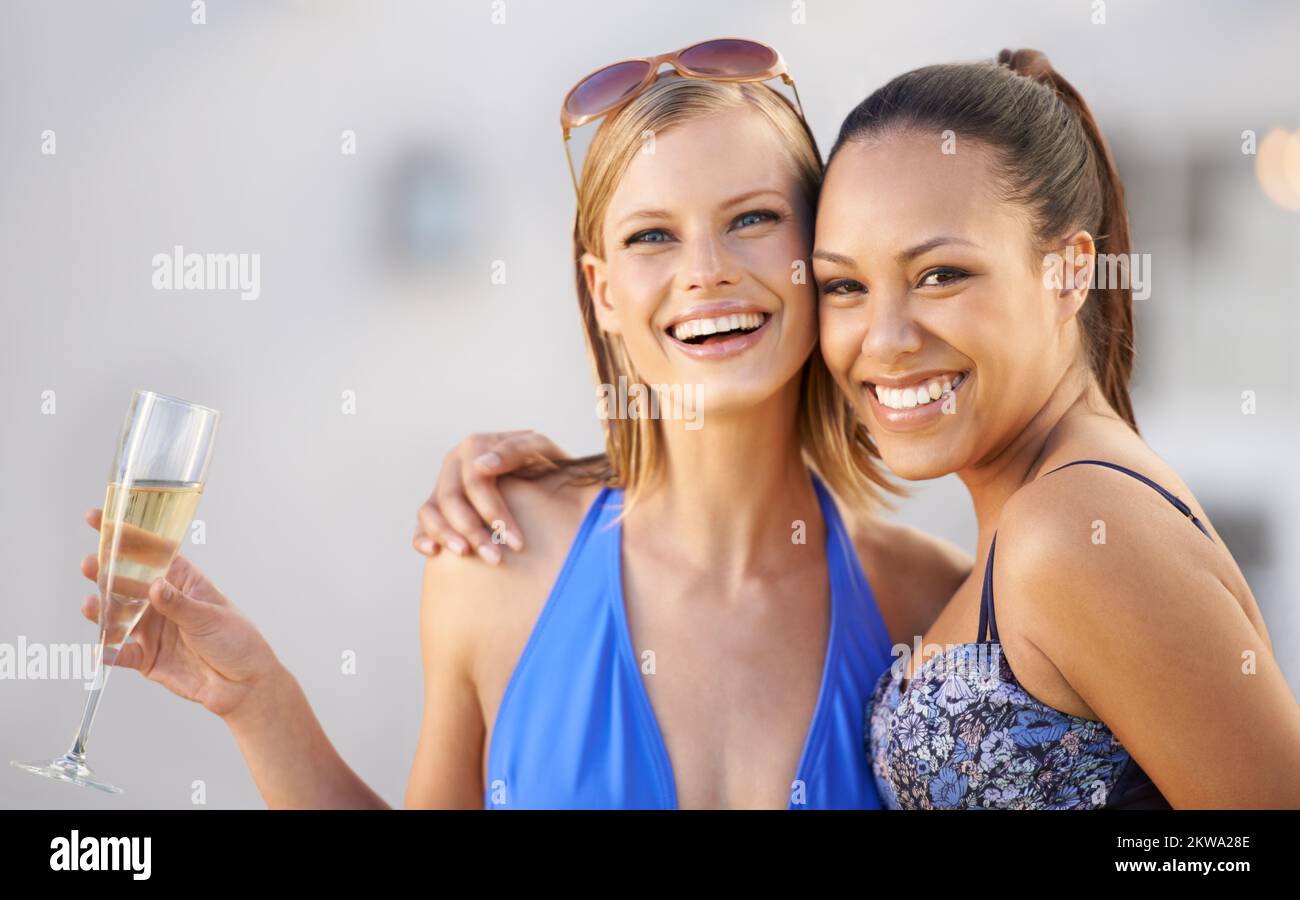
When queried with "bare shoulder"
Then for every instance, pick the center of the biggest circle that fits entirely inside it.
(548, 504)
(1073, 511)
(470, 599)
(1088, 542)
(913, 574)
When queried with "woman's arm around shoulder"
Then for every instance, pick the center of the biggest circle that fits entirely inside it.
(1130, 602)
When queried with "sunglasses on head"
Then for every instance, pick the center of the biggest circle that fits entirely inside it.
(720, 59)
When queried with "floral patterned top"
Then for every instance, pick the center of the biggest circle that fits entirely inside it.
(964, 734)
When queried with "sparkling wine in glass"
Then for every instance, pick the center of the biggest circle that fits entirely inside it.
(154, 487)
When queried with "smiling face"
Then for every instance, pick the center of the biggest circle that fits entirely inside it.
(699, 241)
(936, 319)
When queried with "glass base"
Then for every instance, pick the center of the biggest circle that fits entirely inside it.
(69, 768)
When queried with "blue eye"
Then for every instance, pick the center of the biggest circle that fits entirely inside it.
(945, 275)
(755, 217)
(649, 236)
(745, 220)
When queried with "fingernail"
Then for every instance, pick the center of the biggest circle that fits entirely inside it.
(425, 546)
(514, 541)
(489, 553)
(488, 461)
(458, 546)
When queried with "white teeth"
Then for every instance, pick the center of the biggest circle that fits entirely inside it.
(919, 394)
(718, 325)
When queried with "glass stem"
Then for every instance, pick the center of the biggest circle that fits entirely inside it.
(78, 749)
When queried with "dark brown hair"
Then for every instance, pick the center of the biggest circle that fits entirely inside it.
(1053, 160)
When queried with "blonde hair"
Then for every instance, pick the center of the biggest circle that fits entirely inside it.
(832, 439)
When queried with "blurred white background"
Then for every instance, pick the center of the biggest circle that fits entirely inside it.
(376, 278)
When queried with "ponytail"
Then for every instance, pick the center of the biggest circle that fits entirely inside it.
(1107, 316)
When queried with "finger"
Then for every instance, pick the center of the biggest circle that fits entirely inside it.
(467, 522)
(190, 579)
(148, 631)
(522, 450)
(145, 632)
(459, 517)
(137, 544)
(129, 656)
(448, 484)
(435, 529)
(121, 586)
(190, 615)
(476, 445)
(483, 492)
(424, 544)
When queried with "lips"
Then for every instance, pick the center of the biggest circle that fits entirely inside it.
(919, 414)
(718, 330)
(918, 390)
(721, 346)
(701, 326)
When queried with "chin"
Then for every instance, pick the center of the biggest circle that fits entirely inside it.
(918, 460)
(724, 397)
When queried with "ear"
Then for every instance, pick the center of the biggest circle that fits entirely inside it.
(1076, 265)
(594, 271)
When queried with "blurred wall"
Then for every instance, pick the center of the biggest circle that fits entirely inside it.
(376, 278)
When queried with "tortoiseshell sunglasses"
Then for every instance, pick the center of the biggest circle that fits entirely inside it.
(720, 59)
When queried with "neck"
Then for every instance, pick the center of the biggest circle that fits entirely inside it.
(993, 480)
(730, 491)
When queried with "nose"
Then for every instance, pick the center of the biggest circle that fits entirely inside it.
(709, 264)
(891, 332)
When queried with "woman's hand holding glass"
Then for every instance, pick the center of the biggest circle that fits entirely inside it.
(191, 639)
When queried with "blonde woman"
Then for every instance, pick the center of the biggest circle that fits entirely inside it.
(694, 625)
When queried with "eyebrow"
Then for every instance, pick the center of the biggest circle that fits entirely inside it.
(905, 256)
(734, 201)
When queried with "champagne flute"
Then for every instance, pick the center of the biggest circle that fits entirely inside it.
(154, 485)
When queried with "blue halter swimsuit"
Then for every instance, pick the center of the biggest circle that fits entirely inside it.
(575, 729)
(964, 734)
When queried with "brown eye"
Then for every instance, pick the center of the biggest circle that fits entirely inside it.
(842, 287)
(942, 276)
